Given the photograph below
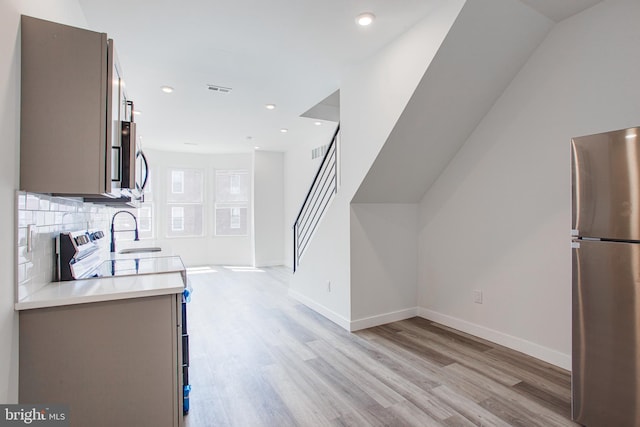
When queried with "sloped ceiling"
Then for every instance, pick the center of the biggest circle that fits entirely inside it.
(484, 49)
(557, 10)
(327, 109)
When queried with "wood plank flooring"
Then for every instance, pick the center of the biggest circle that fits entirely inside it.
(260, 358)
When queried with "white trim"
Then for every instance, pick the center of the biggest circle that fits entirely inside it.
(271, 263)
(321, 309)
(527, 347)
(381, 319)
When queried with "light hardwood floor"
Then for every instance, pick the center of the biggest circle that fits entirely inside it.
(260, 358)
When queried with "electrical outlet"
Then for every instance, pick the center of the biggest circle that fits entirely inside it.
(477, 296)
(328, 285)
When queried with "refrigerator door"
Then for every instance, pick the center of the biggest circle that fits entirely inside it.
(606, 333)
(605, 178)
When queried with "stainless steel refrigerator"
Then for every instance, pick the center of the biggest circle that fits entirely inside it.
(605, 179)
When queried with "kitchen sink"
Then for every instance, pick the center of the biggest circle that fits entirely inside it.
(139, 250)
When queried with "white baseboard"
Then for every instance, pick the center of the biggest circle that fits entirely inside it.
(381, 319)
(329, 314)
(554, 357)
(265, 264)
(546, 354)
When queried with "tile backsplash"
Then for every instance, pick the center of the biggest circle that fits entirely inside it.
(44, 217)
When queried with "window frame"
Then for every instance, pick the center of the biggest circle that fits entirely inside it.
(235, 206)
(177, 224)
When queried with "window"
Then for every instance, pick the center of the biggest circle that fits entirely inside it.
(145, 220)
(232, 202)
(235, 218)
(177, 218)
(177, 182)
(185, 200)
(145, 214)
(234, 184)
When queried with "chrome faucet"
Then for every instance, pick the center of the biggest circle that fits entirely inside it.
(113, 230)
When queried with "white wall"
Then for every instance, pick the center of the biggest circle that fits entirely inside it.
(268, 208)
(498, 218)
(208, 249)
(384, 261)
(68, 12)
(372, 98)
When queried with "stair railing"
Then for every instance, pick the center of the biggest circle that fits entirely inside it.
(320, 194)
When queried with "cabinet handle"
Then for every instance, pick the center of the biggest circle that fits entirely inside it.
(130, 104)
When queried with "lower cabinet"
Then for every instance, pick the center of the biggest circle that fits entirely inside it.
(115, 363)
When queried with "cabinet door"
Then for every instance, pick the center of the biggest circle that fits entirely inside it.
(605, 177)
(64, 114)
(606, 337)
(115, 363)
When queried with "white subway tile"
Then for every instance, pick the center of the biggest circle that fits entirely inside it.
(33, 202)
(51, 215)
(23, 255)
(22, 236)
(44, 203)
(22, 273)
(21, 202)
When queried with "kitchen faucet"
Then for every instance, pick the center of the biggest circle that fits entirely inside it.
(113, 230)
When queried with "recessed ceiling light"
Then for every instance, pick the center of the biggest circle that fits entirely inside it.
(166, 89)
(284, 130)
(365, 19)
(257, 148)
(249, 138)
(318, 123)
(270, 106)
(190, 143)
(137, 112)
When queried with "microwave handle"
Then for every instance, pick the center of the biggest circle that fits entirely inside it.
(146, 171)
(131, 115)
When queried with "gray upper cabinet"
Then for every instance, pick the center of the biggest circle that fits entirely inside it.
(71, 104)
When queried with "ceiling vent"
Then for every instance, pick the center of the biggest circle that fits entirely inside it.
(220, 89)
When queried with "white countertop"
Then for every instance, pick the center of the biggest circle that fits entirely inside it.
(103, 289)
(127, 265)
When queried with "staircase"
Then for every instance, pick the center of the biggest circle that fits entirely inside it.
(324, 187)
